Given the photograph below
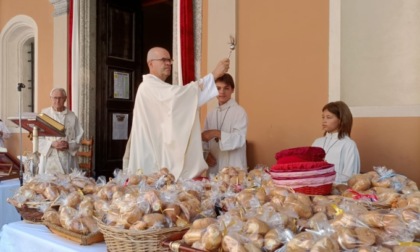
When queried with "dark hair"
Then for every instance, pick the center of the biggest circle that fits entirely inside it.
(226, 78)
(343, 113)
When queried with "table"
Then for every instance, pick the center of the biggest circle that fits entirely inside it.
(38, 238)
(8, 213)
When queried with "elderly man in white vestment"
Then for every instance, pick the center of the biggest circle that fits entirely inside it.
(166, 128)
(58, 154)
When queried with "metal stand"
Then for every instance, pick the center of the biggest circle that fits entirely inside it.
(19, 88)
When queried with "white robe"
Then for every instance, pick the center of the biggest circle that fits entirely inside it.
(166, 127)
(53, 160)
(342, 153)
(232, 120)
(6, 133)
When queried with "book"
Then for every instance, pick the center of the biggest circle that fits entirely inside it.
(52, 122)
(45, 124)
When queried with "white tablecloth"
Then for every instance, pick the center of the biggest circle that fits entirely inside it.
(8, 212)
(25, 237)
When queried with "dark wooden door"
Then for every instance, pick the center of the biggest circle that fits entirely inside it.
(119, 71)
(126, 29)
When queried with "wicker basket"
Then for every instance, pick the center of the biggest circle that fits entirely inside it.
(79, 238)
(315, 190)
(123, 240)
(311, 178)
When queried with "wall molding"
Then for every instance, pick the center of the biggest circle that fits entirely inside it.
(60, 7)
(13, 37)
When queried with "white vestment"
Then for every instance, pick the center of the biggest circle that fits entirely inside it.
(231, 119)
(166, 127)
(342, 153)
(6, 133)
(53, 160)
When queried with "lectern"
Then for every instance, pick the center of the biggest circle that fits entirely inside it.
(9, 165)
(39, 125)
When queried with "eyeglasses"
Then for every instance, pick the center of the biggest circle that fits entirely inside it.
(164, 60)
(58, 98)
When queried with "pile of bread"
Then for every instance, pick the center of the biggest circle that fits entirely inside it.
(383, 215)
(65, 200)
(238, 210)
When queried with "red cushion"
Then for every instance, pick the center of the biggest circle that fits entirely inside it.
(300, 154)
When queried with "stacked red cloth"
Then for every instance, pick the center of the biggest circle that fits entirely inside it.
(300, 154)
(304, 170)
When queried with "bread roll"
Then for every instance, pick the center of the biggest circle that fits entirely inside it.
(105, 192)
(132, 216)
(39, 187)
(67, 214)
(301, 242)
(378, 182)
(277, 201)
(190, 208)
(365, 235)
(272, 240)
(171, 211)
(325, 244)
(139, 225)
(90, 188)
(410, 214)
(86, 207)
(359, 182)
(413, 199)
(212, 237)
(51, 192)
(339, 189)
(345, 220)
(257, 240)
(203, 223)
(155, 220)
(90, 223)
(304, 211)
(52, 216)
(252, 247)
(410, 187)
(73, 199)
(181, 220)
(347, 238)
(134, 179)
(373, 219)
(318, 221)
(401, 202)
(304, 199)
(247, 199)
(278, 191)
(261, 195)
(152, 197)
(193, 235)
(76, 225)
(256, 226)
(229, 243)
(388, 199)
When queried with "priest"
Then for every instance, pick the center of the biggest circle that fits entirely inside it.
(58, 154)
(166, 125)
